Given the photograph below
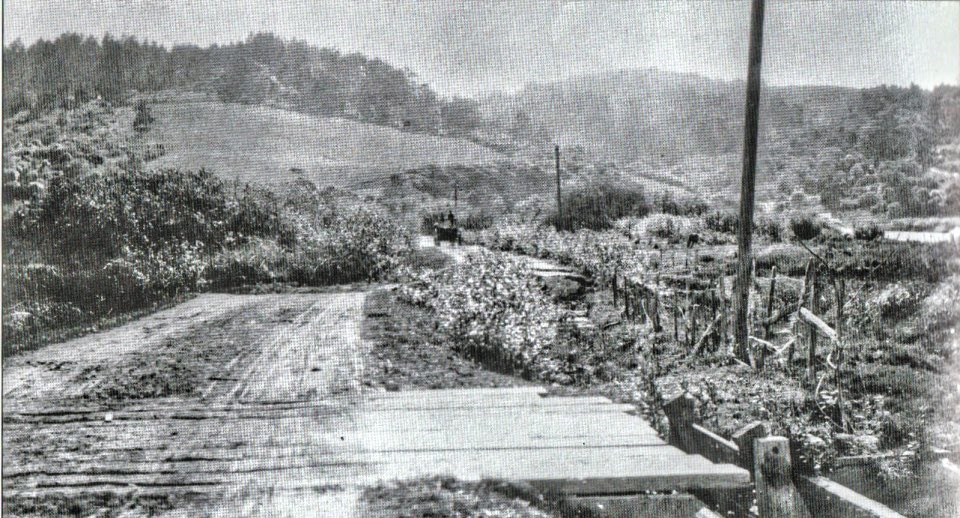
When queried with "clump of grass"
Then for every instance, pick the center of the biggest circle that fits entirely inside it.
(448, 497)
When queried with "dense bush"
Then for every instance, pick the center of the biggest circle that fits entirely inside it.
(112, 241)
(668, 203)
(666, 226)
(597, 206)
(805, 228)
(599, 254)
(869, 232)
(109, 214)
(493, 310)
(490, 309)
(358, 245)
(769, 227)
(722, 221)
(893, 261)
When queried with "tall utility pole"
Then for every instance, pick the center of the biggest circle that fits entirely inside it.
(745, 231)
(556, 153)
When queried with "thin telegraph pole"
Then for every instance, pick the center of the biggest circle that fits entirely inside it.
(745, 231)
(556, 153)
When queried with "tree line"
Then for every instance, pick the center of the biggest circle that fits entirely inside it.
(263, 69)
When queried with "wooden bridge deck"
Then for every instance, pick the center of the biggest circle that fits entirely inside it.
(577, 445)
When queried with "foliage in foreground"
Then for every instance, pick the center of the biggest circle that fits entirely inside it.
(108, 242)
(493, 310)
(447, 497)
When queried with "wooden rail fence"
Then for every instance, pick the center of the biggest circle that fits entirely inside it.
(780, 491)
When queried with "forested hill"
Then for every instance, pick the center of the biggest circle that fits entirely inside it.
(659, 116)
(264, 69)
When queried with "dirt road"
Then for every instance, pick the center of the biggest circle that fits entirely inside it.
(233, 405)
(216, 406)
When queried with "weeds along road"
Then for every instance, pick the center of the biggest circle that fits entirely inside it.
(218, 405)
(232, 405)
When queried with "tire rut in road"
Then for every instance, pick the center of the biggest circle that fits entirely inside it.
(231, 399)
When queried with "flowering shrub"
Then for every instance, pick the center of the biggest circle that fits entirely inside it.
(492, 309)
(599, 254)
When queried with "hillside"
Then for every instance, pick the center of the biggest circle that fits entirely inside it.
(261, 70)
(263, 145)
(854, 148)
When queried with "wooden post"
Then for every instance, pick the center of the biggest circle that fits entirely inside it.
(773, 290)
(656, 306)
(686, 313)
(812, 344)
(556, 152)
(744, 438)
(798, 339)
(682, 414)
(773, 473)
(693, 323)
(762, 354)
(840, 289)
(723, 309)
(676, 318)
(712, 295)
(750, 134)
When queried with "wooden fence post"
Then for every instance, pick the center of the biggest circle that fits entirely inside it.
(812, 345)
(682, 413)
(676, 317)
(656, 306)
(776, 495)
(721, 292)
(797, 328)
(744, 438)
(762, 353)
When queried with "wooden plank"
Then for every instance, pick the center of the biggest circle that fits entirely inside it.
(662, 506)
(532, 405)
(484, 439)
(455, 394)
(660, 467)
(595, 418)
(266, 459)
(286, 476)
(712, 446)
(333, 446)
(593, 422)
(824, 497)
(572, 470)
(818, 324)
(549, 405)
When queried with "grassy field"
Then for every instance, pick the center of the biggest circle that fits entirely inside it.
(262, 145)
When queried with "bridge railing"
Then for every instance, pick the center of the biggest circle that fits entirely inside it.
(780, 491)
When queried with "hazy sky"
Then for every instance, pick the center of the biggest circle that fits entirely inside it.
(474, 47)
